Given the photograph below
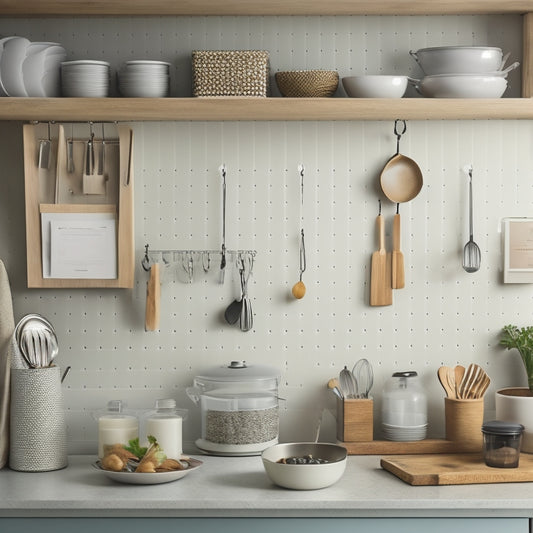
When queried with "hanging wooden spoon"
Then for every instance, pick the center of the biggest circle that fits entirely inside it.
(401, 180)
(153, 299)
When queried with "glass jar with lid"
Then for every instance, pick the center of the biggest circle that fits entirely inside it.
(165, 423)
(404, 408)
(116, 425)
(238, 408)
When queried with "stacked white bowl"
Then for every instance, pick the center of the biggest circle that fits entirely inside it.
(85, 78)
(144, 78)
(30, 69)
(462, 72)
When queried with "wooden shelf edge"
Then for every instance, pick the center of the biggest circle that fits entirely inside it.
(262, 109)
(33, 8)
(385, 447)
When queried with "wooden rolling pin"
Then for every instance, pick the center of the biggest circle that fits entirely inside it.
(153, 299)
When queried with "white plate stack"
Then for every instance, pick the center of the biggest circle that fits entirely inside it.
(404, 433)
(30, 69)
(144, 79)
(85, 78)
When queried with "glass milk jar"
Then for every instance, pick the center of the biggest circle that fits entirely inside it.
(116, 425)
(238, 408)
(165, 423)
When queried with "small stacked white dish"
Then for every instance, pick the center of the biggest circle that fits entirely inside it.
(462, 72)
(85, 78)
(30, 69)
(144, 78)
(404, 433)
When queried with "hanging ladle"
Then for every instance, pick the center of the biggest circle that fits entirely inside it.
(298, 289)
(401, 180)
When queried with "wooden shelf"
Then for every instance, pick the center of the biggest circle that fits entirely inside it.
(33, 8)
(261, 109)
(385, 447)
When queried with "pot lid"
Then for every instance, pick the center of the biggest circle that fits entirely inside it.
(240, 371)
(499, 427)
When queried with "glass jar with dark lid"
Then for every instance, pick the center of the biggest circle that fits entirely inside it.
(501, 443)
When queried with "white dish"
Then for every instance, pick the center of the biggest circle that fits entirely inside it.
(41, 70)
(155, 478)
(3, 91)
(378, 86)
(459, 59)
(305, 476)
(461, 86)
(11, 61)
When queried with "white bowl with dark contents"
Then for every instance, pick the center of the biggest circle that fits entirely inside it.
(305, 465)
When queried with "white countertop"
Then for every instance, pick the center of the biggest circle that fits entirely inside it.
(239, 487)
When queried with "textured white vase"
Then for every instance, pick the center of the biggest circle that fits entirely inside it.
(515, 404)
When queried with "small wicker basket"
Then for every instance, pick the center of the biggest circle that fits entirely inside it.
(307, 83)
(230, 73)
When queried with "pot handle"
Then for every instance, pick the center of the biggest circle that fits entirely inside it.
(413, 55)
(194, 394)
(416, 84)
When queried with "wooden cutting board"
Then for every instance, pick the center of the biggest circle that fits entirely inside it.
(455, 469)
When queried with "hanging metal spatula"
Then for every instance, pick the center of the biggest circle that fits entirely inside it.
(471, 252)
(45, 148)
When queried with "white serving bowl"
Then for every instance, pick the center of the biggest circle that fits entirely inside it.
(459, 59)
(305, 476)
(13, 56)
(461, 86)
(378, 86)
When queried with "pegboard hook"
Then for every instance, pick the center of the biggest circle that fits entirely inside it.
(398, 133)
(145, 263)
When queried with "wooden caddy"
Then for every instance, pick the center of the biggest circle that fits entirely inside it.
(355, 431)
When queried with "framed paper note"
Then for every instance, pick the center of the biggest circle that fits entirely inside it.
(518, 250)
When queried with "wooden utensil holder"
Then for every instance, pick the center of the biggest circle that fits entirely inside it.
(464, 419)
(355, 420)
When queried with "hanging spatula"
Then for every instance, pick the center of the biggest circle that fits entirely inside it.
(398, 269)
(153, 299)
(45, 148)
(380, 272)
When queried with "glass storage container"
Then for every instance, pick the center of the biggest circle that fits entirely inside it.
(116, 425)
(238, 408)
(165, 423)
(404, 408)
(501, 443)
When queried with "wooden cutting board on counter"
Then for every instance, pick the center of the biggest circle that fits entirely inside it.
(455, 469)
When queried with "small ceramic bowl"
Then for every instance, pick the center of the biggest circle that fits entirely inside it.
(305, 476)
(378, 86)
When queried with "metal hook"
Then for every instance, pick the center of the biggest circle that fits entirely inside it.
(145, 263)
(303, 263)
(206, 263)
(187, 263)
(399, 134)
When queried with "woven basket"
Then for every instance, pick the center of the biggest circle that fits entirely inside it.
(230, 73)
(38, 440)
(307, 83)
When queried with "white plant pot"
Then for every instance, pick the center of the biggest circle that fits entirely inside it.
(515, 404)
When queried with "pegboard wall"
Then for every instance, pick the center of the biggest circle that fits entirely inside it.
(442, 316)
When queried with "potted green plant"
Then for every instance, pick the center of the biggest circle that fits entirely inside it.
(515, 404)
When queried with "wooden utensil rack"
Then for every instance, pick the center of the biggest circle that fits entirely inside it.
(42, 195)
